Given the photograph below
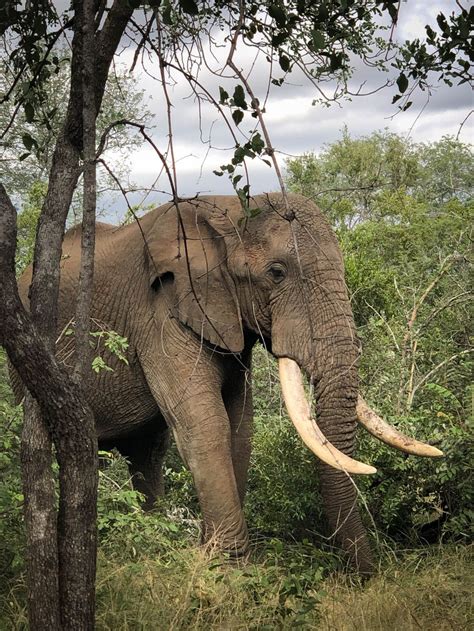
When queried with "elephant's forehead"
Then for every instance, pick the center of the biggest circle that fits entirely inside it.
(311, 243)
(269, 231)
(275, 231)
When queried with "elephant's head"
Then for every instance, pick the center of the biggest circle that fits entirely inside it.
(280, 276)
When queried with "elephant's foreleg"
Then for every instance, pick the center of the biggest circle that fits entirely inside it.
(186, 380)
(238, 401)
(202, 431)
(145, 453)
(205, 443)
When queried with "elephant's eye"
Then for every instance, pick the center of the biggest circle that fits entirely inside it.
(277, 272)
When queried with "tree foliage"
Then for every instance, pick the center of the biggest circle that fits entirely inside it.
(28, 148)
(351, 179)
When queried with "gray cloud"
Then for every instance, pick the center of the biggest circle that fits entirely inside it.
(294, 124)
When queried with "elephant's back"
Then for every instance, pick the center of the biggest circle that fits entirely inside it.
(71, 252)
(70, 257)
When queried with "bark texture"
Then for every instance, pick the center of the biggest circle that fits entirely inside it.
(86, 276)
(70, 423)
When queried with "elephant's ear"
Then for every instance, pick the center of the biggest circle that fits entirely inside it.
(186, 250)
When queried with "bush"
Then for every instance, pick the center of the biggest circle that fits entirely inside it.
(11, 497)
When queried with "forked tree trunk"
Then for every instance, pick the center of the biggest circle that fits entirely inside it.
(70, 422)
(61, 566)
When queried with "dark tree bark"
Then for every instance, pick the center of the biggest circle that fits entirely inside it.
(40, 518)
(61, 565)
(70, 422)
(84, 298)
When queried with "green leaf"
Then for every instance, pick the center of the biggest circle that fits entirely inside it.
(29, 112)
(99, 364)
(189, 6)
(402, 83)
(279, 38)
(335, 62)
(28, 141)
(223, 95)
(257, 143)
(239, 97)
(278, 14)
(239, 155)
(284, 63)
(166, 15)
(318, 39)
(237, 115)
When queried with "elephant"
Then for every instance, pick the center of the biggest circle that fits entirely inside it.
(193, 285)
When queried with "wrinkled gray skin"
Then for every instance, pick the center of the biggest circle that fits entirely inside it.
(192, 308)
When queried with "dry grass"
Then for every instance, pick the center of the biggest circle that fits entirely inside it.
(431, 593)
(429, 590)
(421, 592)
(191, 595)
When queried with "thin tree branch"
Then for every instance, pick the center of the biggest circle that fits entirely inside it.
(84, 300)
(435, 370)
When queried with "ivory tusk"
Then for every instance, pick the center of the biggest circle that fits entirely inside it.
(300, 413)
(391, 436)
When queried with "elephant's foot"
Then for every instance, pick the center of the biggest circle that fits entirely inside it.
(363, 564)
(151, 490)
(360, 556)
(145, 452)
(235, 547)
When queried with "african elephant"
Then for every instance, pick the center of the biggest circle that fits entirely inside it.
(193, 286)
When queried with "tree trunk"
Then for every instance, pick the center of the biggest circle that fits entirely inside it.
(63, 417)
(40, 518)
(86, 276)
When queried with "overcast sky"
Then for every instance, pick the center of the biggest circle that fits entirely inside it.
(295, 125)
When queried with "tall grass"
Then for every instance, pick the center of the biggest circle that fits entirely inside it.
(429, 589)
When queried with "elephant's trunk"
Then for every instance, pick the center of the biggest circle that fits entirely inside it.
(330, 356)
(300, 413)
(336, 396)
(331, 360)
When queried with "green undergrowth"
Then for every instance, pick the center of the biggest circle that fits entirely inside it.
(152, 574)
(180, 586)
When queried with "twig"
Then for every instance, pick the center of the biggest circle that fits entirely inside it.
(145, 36)
(462, 124)
(435, 369)
(390, 330)
(453, 300)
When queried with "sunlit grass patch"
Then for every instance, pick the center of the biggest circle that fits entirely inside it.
(430, 589)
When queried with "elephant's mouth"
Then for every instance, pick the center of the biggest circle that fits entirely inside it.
(299, 411)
